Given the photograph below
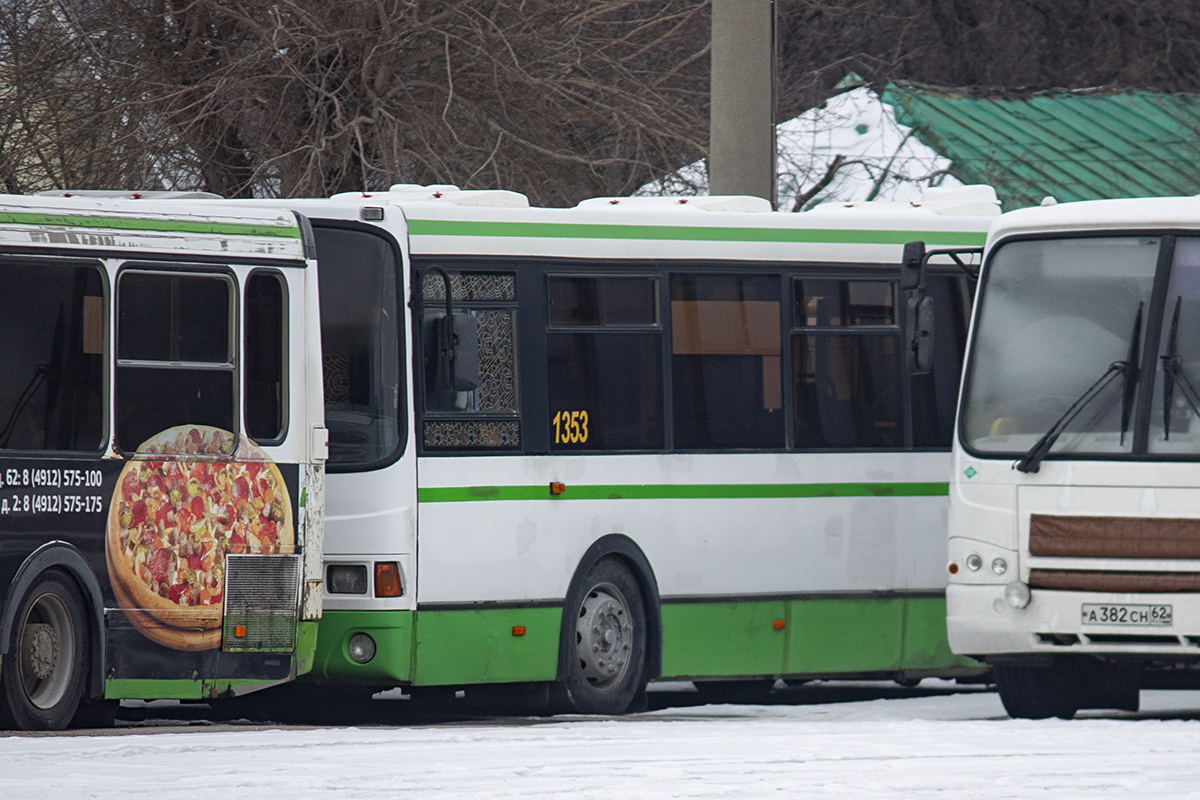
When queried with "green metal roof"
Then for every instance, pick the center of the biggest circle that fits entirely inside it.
(1072, 144)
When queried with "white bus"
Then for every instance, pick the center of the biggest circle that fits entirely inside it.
(639, 439)
(1075, 504)
(161, 454)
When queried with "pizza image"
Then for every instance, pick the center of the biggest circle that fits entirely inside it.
(175, 514)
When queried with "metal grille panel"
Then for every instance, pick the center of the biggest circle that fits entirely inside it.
(262, 595)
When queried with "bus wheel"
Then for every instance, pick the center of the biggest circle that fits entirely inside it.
(1029, 692)
(45, 671)
(607, 648)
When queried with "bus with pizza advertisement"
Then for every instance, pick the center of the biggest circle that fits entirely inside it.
(162, 451)
(643, 438)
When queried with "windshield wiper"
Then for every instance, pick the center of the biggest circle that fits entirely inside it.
(1131, 372)
(1172, 366)
(1032, 460)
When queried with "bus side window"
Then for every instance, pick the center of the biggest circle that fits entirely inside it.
(604, 363)
(264, 353)
(935, 394)
(52, 384)
(486, 417)
(846, 364)
(725, 361)
(175, 353)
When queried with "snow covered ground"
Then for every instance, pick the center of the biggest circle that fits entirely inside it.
(954, 746)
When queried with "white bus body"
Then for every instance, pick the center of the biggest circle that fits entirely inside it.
(1073, 565)
(760, 543)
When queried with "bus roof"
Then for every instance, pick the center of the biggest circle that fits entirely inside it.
(1142, 213)
(152, 225)
(444, 220)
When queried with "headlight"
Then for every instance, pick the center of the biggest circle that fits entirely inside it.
(1017, 594)
(999, 565)
(346, 579)
(974, 562)
(362, 648)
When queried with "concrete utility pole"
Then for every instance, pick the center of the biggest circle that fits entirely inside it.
(741, 157)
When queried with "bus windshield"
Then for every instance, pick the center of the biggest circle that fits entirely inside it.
(1055, 316)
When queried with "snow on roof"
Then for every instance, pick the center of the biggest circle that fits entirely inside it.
(880, 158)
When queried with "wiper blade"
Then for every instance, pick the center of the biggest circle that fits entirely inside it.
(1173, 374)
(1132, 370)
(1031, 461)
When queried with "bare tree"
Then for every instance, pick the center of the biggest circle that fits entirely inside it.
(560, 100)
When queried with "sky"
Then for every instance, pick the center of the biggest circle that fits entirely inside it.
(949, 746)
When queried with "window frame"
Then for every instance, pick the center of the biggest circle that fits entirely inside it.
(459, 265)
(284, 354)
(108, 344)
(658, 327)
(403, 363)
(233, 366)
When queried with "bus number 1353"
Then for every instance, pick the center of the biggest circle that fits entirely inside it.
(570, 427)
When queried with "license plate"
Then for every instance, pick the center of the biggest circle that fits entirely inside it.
(1124, 614)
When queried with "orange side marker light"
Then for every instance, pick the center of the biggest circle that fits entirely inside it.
(778, 624)
(557, 487)
(387, 579)
(518, 630)
(953, 568)
(239, 631)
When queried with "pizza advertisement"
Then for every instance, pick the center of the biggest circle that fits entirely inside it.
(176, 512)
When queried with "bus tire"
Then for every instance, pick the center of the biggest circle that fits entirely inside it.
(606, 648)
(1035, 692)
(45, 671)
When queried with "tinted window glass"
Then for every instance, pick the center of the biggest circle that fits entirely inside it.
(263, 354)
(186, 375)
(935, 395)
(826, 302)
(605, 384)
(168, 317)
(847, 390)
(361, 345)
(605, 391)
(725, 363)
(52, 337)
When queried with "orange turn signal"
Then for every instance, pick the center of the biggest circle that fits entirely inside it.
(239, 631)
(387, 579)
(953, 568)
(557, 487)
(518, 630)
(778, 624)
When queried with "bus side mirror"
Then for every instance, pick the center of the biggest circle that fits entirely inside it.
(912, 267)
(920, 334)
(458, 353)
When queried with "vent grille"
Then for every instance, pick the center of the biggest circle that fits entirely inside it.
(262, 594)
(1123, 582)
(1113, 537)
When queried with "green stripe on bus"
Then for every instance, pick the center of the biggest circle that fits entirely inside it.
(564, 230)
(163, 226)
(466, 494)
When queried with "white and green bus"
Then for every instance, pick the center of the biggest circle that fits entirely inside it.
(162, 452)
(638, 439)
